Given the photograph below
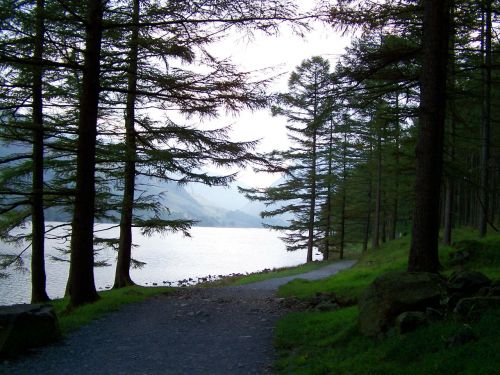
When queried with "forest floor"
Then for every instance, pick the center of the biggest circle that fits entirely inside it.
(223, 330)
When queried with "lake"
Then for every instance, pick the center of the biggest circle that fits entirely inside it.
(169, 258)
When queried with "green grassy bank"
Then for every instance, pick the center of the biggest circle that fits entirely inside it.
(110, 300)
(265, 275)
(328, 342)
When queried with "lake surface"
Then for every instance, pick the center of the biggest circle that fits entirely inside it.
(169, 258)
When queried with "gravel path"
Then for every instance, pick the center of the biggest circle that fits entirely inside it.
(194, 331)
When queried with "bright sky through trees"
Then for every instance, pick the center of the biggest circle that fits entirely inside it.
(284, 52)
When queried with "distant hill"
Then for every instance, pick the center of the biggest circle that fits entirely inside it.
(209, 206)
(220, 196)
(201, 204)
(255, 208)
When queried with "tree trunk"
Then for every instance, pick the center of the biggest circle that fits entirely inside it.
(395, 202)
(342, 209)
(494, 197)
(328, 224)
(450, 181)
(448, 208)
(486, 120)
(122, 274)
(81, 274)
(378, 194)
(38, 278)
(369, 208)
(429, 151)
(312, 204)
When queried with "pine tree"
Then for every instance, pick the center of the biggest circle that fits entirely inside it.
(172, 151)
(429, 151)
(307, 107)
(81, 286)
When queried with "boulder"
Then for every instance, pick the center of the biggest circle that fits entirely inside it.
(26, 326)
(465, 251)
(493, 290)
(459, 257)
(467, 282)
(409, 321)
(434, 314)
(472, 308)
(327, 306)
(394, 293)
(327, 301)
(462, 337)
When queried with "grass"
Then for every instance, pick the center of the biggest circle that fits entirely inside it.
(110, 300)
(265, 275)
(352, 282)
(279, 272)
(329, 343)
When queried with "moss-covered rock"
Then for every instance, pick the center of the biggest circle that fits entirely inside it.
(465, 251)
(394, 293)
(472, 308)
(409, 321)
(26, 326)
(467, 282)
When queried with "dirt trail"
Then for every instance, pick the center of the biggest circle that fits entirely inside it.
(194, 331)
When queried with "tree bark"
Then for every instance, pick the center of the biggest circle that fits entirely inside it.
(122, 274)
(343, 204)
(38, 277)
(378, 195)
(486, 120)
(329, 208)
(395, 202)
(81, 274)
(312, 203)
(450, 180)
(448, 207)
(429, 151)
(366, 235)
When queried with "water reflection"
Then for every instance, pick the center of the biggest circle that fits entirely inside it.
(169, 258)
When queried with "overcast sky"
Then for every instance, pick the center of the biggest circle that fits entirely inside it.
(285, 52)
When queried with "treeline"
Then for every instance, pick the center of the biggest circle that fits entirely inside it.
(95, 89)
(94, 93)
(417, 73)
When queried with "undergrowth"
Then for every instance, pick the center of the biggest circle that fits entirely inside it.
(110, 300)
(266, 274)
(329, 342)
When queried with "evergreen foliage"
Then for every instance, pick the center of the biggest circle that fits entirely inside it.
(85, 111)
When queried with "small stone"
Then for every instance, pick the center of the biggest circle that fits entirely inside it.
(494, 290)
(409, 321)
(433, 314)
(459, 257)
(464, 336)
